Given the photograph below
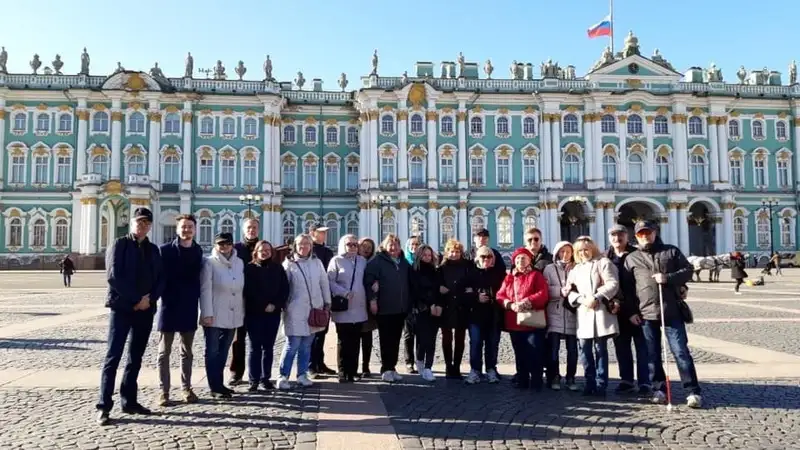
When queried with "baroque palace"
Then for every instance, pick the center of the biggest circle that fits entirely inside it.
(438, 153)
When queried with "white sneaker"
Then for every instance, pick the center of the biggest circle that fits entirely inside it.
(659, 398)
(427, 375)
(491, 376)
(473, 378)
(573, 387)
(420, 366)
(387, 376)
(694, 401)
(283, 383)
(303, 380)
(396, 376)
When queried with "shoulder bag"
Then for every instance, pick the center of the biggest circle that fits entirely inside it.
(565, 300)
(317, 317)
(340, 303)
(533, 318)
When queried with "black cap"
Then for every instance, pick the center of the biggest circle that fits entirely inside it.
(617, 229)
(223, 238)
(143, 214)
(645, 225)
(483, 232)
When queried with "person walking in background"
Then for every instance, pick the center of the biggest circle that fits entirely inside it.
(775, 261)
(67, 268)
(592, 288)
(387, 284)
(737, 270)
(266, 288)
(409, 252)
(346, 279)
(319, 234)
(244, 250)
(366, 249)
(182, 261)
(484, 318)
(457, 289)
(135, 280)
(426, 309)
(561, 320)
(309, 294)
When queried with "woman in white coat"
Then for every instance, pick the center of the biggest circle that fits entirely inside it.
(221, 308)
(591, 287)
(308, 289)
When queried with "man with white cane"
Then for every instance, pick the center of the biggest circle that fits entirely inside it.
(659, 272)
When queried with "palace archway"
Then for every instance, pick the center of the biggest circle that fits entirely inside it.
(632, 212)
(702, 230)
(574, 221)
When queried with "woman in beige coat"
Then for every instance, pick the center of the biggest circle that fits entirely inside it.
(591, 287)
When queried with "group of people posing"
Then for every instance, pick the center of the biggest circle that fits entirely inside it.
(242, 293)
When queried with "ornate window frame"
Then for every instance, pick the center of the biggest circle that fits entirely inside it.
(503, 113)
(332, 160)
(35, 215)
(448, 113)
(172, 113)
(701, 151)
(529, 151)
(785, 124)
(40, 149)
(332, 124)
(502, 213)
(703, 121)
(293, 127)
(310, 165)
(352, 160)
(95, 150)
(613, 119)
(504, 151)
(759, 154)
(630, 124)
(610, 151)
(421, 116)
(665, 151)
(249, 153)
(49, 118)
(349, 219)
(60, 150)
(129, 112)
(210, 153)
(477, 151)
(787, 217)
(57, 215)
(389, 151)
(421, 214)
(10, 214)
(310, 123)
(254, 118)
(289, 159)
(418, 151)
(577, 150)
(743, 214)
(449, 152)
(224, 119)
(476, 115)
(763, 123)
(447, 212)
(348, 142)
(228, 153)
(288, 219)
(478, 219)
(15, 112)
(641, 153)
(391, 115)
(205, 217)
(170, 151)
(784, 154)
(531, 212)
(96, 109)
(578, 123)
(130, 151)
(206, 117)
(665, 120)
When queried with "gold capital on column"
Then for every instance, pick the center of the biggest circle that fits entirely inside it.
(462, 204)
(187, 116)
(83, 114)
(2, 114)
(88, 201)
(154, 116)
(403, 205)
(431, 115)
(433, 204)
(116, 116)
(462, 116)
(140, 201)
(402, 114)
(649, 119)
(622, 118)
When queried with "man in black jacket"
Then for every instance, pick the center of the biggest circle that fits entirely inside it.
(133, 270)
(319, 233)
(534, 243)
(629, 333)
(660, 270)
(244, 250)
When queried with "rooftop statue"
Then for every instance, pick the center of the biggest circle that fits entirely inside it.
(156, 72)
(713, 74)
(404, 78)
(550, 69)
(488, 69)
(84, 62)
(792, 73)
(58, 64)
(119, 68)
(219, 71)
(605, 59)
(631, 45)
(742, 75)
(189, 67)
(569, 73)
(300, 81)
(513, 70)
(35, 63)
(462, 64)
(3, 60)
(660, 60)
(375, 63)
(268, 69)
(240, 70)
(343, 81)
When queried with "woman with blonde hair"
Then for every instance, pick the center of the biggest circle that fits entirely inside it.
(456, 285)
(591, 287)
(346, 277)
(386, 282)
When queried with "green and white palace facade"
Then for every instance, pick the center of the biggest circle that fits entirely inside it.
(454, 150)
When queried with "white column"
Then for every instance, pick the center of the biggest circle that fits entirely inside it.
(713, 143)
(650, 152)
(623, 149)
(373, 149)
(547, 166)
(463, 223)
(727, 226)
(554, 224)
(719, 236)
(188, 151)
(363, 152)
(402, 218)
(2, 139)
(796, 155)
(680, 152)
(153, 157)
(432, 117)
(588, 151)
(267, 157)
(116, 139)
(276, 219)
(275, 131)
(83, 133)
(555, 139)
(609, 215)
(722, 146)
(600, 221)
(402, 144)
(683, 230)
(186, 202)
(363, 221)
(92, 220)
(596, 155)
(77, 215)
(433, 224)
(463, 178)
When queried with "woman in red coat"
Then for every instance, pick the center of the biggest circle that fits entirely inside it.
(526, 290)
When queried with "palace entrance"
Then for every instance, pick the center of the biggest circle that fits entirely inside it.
(702, 230)
(574, 221)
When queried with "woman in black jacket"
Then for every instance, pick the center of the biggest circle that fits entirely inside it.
(737, 270)
(426, 308)
(266, 289)
(456, 286)
(485, 317)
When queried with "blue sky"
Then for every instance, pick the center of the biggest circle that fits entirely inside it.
(325, 38)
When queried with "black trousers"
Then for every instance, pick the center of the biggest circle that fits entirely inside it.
(366, 349)
(67, 280)
(408, 342)
(318, 350)
(453, 358)
(427, 327)
(390, 329)
(348, 338)
(739, 282)
(238, 347)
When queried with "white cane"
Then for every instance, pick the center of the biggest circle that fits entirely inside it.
(664, 346)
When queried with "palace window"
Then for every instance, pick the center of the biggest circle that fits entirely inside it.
(758, 129)
(228, 126)
(503, 171)
(695, 126)
(505, 230)
(332, 135)
(759, 173)
(446, 126)
(416, 172)
(448, 229)
(206, 231)
(738, 231)
(570, 124)
(388, 225)
(662, 169)
(697, 170)
(62, 233)
(289, 229)
(780, 130)
(352, 136)
(762, 232)
(172, 170)
(172, 123)
(206, 172)
(310, 176)
(228, 172)
(502, 126)
(15, 232)
(289, 177)
(136, 123)
(530, 171)
(609, 169)
(635, 124)
(736, 172)
(40, 163)
(635, 168)
(20, 122)
(529, 221)
(387, 169)
(18, 169)
(387, 124)
(787, 236)
(572, 169)
(332, 176)
(39, 233)
(733, 129)
(417, 227)
(352, 177)
(226, 226)
(783, 173)
(529, 126)
(136, 165)
(168, 233)
(448, 170)
(99, 165)
(289, 134)
(310, 135)
(476, 170)
(43, 123)
(352, 227)
(100, 122)
(476, 126)
(249, 172)
(250, 128)
(65, 123)
(207, 126)
(64, 169)
(608, 124)
(477, 223)
(661, 125)
(417, 124)
(332, 238)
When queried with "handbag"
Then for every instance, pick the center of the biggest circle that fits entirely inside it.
(683, 307)
(340, 303)
(318, 317)
(565, 300)
(533, 319)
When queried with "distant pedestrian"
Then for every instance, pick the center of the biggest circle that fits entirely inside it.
(67, 268)
(737, 270)
(135, 280)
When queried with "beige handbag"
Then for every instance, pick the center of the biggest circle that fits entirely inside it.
(534, 318)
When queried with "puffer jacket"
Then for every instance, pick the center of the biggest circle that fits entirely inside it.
(529, 287)
(222, 290)
(559, 318)
(309, 288)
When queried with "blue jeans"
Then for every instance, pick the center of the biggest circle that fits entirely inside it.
(300, 346)
(121, 325)
(679, 346)
(571, 342)
(528, 353)
(486, 338)
(627, 333)
(261, 333)
(218, 344)
(594, 358)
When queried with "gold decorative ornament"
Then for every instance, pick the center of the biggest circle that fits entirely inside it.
(352, 159)
(502, 111)
(332, 122)
(463, 204)
(782, 115)
(42, 107)
(2, 114)
(416, 95)
(83, 114)
(477, 109)
(431, 115)
(140, 201)
(447, 110)
(530, 110)
(387, 108)
(288, 159)
(86, 201)
(116, 116)
(649, 119)
(99, 150)
(734, 113)
(662, 110)
(171, 109)
(402, 115)
(697, 112)
(432, 204)
(759, 115)
(267, 119)
(636, 107)
(99, 107)
(609, 109)
(403, 205)
(134, 105)
(18, 107)
(113, 187)
(135, 82)
(462, 116)
(154, 116)
(622, 118)
(187, 116)
(634, 83)
(796, 121)
(227, 111)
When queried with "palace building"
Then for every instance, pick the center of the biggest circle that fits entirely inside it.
(446, 150)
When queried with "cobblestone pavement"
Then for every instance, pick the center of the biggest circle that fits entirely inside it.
(739, 413)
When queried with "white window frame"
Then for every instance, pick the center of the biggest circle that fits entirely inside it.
(48, 119)
(478, 220)
(502, 242)
(630, 125)
(763, 230)
(389, 152)
(642, 159)
(15, 130)
(63, 150)
(334, 142)
(40, 151)
(289, 160)
(699, 121)
(753, 129)
(741, 218)
(581, 175)
(787, 160)
(285, 141)
(785, 130)
(129, 156)
(614, 162)
(288, 222)
(34, 217)
(392, 122)
(736, 163)
(704, 164)
(754, 156)
(529, 152)
(92, 115)
(247, 135)
(129, 121)
(352, 162)
(411, 121)
(306, 129)
(533, 120)
(499, 133)
(451, 118)
(451, 157)
(734, 123)
(212, 156)
(661, 120)
(64, 216)
(570, 117)
(332, 160)
(249, 155)
(418, 216)
(475, 118)
(352, 143)
(450, 213)
(476, 152)
(204, 119)
(310, 168)
(163, 160)
(603, 122)
(177, 118)
(787, 220)
(234, 156)
(510, 161)
(423, 165)
(228, 119)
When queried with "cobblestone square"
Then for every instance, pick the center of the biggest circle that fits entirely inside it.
(52, 342)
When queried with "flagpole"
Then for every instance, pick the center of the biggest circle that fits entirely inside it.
(611, 16)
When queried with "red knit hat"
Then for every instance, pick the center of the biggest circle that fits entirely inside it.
(521, 251)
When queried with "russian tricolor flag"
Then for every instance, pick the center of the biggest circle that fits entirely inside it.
(601, 29)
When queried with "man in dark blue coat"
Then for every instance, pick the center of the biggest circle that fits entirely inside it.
(133, 270)
(182, 260)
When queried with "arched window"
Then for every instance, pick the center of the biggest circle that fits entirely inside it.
(570, 124)
(205, 231)
(332, 135)
(15, 232)
(310, 134)
(289, 229)
(662, 169)
(39, 233)
(172, 170)
(780, 130)
(635, 168)
(695, 126)
(289, 134)
(733, 128)
(762, 232)
(448, 229)
(352, 136)
(43, 123)
(332, 238)
(416, 172)
(136, 165)
(99, 165)
(635, 124)
(41, 164)
(417, 124)
(228, 126)
(387, 224)
(136, 123)
(418, 228)
(505, 230)
(207, 125)
(660, 125)
(64, 169)
(738, 231)
(783, 172)
(477, 223)
(20, 122)
(250, 127)
(446, 125)
(528, 126)
(609, 169)
(530, 170)
(172, 123)
(758, 129)
(608, 124)
(787, 235)
(352, 227)
(65, 123)
(100, 122)
(502, 128)
(226, 225)
(572, 169)
(530, 221)
(476, 126)
(62, 233)
(387, 124)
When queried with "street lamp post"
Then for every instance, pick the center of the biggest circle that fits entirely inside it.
(384, 202)
(769, 203)
(250, 200)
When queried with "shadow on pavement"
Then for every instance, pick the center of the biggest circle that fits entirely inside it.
(47, 344)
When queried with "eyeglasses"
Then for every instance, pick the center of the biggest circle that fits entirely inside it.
(352, 244)
(485, 256)
(533, 239)
(644, 232)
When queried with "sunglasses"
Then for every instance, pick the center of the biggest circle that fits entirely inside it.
(643, 233)
(533, 239)
(485, 256)
(351, 244)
